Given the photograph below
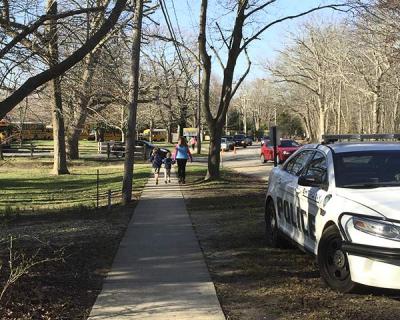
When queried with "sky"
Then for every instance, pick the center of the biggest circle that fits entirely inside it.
(274, 39)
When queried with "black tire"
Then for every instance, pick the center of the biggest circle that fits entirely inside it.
(262, 159)
(245, 146)
(272, 234)
(333, 263)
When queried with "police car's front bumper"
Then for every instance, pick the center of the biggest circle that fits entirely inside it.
(374, 266)
(372, 252)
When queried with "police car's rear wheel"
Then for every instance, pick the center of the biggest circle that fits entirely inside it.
(333, 262)
(272, 233)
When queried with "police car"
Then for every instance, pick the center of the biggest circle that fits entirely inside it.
(341, 202)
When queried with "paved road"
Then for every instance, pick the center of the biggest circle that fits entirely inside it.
(246, 160)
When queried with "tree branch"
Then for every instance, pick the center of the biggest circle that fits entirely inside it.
(36, 81)
(259, 8)
(257, 34)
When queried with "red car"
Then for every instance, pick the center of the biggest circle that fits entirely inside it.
(285, 150)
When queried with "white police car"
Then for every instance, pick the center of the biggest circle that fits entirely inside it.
(341, 202)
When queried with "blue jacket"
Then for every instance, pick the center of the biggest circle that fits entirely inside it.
(157, 160)
(182, 152)
(168, 163)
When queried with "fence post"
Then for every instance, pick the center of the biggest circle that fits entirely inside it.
(108, 150)
(1, 152)
(97, 185)
(109, 199)
(31, 150)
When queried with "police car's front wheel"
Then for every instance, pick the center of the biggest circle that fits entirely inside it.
(333, 262)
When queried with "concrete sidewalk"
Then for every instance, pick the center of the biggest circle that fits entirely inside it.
(159, 270)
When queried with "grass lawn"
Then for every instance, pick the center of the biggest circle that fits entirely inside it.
(254, 281)
(62, 225)
(27, 184)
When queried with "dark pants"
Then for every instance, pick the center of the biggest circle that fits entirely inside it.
(181, 169)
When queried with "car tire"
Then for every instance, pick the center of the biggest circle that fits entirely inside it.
(245, 146)
(333, 263)
(272, 234)
(262, 159)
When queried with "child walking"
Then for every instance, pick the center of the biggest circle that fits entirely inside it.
(168, 162)
(157, 160)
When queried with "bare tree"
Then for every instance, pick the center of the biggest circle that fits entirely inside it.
(60, 156)
(34, 82)
(132, 107)
(235, 42)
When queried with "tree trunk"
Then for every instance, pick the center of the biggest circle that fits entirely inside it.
(396, 115)
(214, 152)
(78, 123)
(339, 110)
(216, 124)
(75, 132)
(83, 98)
(132, 108)
(182, 118)
(375, 112)
(60, 155)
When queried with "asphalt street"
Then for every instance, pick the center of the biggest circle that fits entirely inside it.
(245, 160)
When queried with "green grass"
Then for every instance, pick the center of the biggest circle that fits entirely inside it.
(27, 185)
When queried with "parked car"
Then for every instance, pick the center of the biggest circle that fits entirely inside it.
(240, 140)
(341, 203)
(285, 149)
(265, 139)
(248, 140)
(230, 142)
(224, 144)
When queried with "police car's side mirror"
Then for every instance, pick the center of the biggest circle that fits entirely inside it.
(309, 181)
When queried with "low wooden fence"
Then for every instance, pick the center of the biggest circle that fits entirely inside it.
(116, 148)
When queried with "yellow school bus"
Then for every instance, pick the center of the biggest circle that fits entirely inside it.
(156, 135)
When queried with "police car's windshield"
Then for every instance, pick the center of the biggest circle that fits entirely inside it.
(367, 169)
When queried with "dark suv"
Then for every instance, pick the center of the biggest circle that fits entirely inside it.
(240, 140)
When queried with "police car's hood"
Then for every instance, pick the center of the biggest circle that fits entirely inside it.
(385, 201)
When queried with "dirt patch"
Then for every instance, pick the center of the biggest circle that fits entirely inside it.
(257, 282)
(83, 246)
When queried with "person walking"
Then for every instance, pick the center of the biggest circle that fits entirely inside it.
(157, 160)
(168, 162)
(182, 154)
(193, 142)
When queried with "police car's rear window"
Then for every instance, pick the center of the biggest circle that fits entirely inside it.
(367, 169)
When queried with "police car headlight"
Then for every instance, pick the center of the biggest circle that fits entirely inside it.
(380, 229)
